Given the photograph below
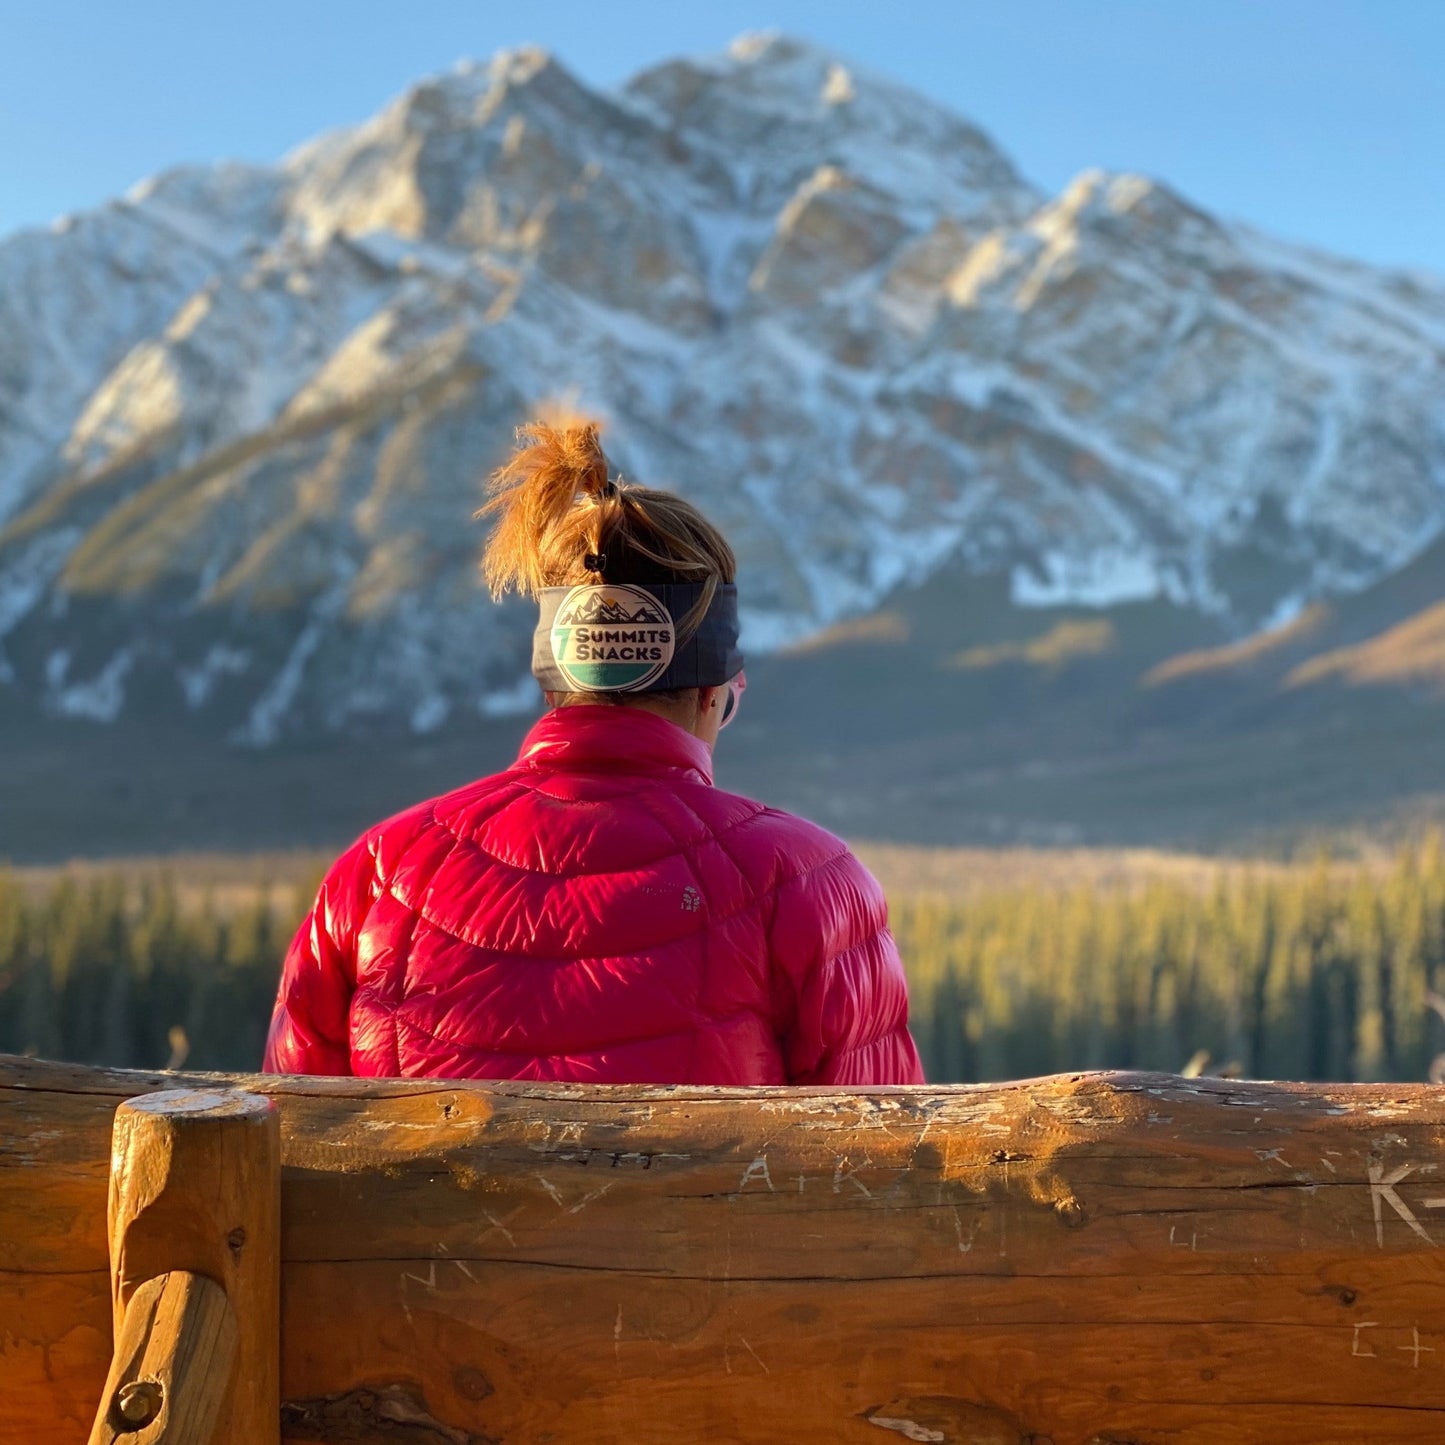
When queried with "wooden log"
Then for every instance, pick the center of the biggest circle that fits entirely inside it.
(172, 1364)
(1090, 1258)
(193, 1217)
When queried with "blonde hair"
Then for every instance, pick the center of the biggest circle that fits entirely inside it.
(558, 509)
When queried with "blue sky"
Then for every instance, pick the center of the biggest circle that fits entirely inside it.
(1322, 120)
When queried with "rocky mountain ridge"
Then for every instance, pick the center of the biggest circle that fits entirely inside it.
(245, 411)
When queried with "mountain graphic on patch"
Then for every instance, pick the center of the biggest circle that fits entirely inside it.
(601, 606)
(612, 639)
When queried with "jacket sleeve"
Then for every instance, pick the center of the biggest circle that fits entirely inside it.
(310, 1031)
(846, 998)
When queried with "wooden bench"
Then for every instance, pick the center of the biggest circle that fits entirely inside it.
(1101, 1258)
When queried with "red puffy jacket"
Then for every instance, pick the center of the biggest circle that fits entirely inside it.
(600, 913)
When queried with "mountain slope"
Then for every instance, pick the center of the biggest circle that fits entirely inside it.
(245, 412)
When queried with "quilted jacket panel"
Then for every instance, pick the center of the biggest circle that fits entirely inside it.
(598, 912)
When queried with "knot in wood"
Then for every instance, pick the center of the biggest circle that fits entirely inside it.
(139, 1402)
(1006, 1156)
(472, 1383)
(1071, 1212)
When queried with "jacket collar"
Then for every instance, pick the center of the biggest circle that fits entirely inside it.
(588, 739)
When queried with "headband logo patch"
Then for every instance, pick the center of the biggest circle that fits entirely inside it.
(612, 639)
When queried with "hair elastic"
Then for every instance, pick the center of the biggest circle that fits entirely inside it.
(595, 561)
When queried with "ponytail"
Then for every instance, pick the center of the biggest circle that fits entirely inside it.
(563, 521)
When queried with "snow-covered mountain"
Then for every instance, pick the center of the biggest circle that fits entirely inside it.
(245, 412)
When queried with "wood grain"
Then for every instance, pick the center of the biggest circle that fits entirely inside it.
(1071, 1261)
(174, 1352)
(195, 1187)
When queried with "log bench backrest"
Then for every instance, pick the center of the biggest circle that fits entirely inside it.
(1092, 1258)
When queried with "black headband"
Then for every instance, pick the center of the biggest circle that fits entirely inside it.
(623, 638)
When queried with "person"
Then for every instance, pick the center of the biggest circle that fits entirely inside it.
(599, 911)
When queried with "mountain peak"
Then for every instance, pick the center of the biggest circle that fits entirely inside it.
(469, 93)
(776, 47)
(772, 70)
(777, 106)
(256, 401)
(797, 62)
(1112, 208)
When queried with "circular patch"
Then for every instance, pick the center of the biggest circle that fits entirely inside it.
(612, 639)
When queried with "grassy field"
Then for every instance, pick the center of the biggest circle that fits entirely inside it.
(234, 881)
(1021, 962)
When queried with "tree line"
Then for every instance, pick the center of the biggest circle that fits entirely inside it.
(1311, 972)
(136, 973)
(1314, 972)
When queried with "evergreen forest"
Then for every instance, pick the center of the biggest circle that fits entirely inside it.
(1314, 971)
